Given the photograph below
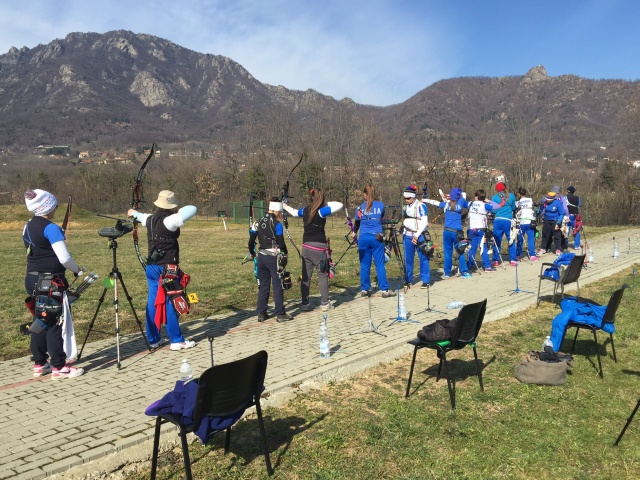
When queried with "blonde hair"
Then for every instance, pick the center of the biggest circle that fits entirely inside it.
(318, 201)
(370, 192)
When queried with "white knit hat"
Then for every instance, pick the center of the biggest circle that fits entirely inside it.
(166, 199)
(275, 206)
(40, 202)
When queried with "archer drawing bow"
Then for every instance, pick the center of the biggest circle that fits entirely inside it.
(285, 199)
(136, 199)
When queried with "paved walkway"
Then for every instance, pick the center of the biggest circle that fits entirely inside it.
(50, 426)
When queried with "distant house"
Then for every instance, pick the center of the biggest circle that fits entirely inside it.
(84, 154)
(636, 164)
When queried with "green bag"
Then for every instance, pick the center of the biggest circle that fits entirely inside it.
(534, 370)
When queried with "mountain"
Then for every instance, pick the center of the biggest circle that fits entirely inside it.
(121, 87)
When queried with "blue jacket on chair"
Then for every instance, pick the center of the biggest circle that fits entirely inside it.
(575, 311)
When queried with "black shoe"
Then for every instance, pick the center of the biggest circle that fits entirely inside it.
(424, 286)
(262, 317)
(283, 318)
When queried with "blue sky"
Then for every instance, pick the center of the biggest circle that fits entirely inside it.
(376, 52)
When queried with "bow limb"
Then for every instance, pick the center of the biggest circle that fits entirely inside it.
(67, 217)
(136, 199)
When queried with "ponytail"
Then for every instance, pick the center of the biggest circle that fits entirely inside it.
(370, 191)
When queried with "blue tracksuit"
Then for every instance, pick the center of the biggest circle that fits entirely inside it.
(452, 225)
(502, 225)
(369, 224)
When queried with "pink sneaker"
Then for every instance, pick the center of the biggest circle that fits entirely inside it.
(513, 263)
(533, 258)
(66, 371)
(40, 370)
(496, 263)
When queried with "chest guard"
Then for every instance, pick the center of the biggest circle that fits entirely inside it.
(163, 243)
(267, 232)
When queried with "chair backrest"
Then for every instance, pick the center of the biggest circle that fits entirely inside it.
(572, 272)
(230, 387)
(612, 307)
(469, 322)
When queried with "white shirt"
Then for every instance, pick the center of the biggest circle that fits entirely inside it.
(416, 219)
(525, 211)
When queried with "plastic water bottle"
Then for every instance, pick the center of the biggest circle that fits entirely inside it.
(455, 304)
(547, 343)
(591, 258)
(325, 350)
(186, 373)
(616, 251)
(402, 307)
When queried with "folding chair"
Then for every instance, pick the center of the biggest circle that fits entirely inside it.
(609, 317)
(568, 275)
(224, 392)
(464, 333)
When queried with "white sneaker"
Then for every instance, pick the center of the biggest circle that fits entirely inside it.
(39, 370)
(183, 345)
(66, 371)
(327, 307)
(158, 344)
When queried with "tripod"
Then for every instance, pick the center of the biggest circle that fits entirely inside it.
(517, 290)
(392, 241)
(429, 309)
(115, 276)
(624, 429)
(369, 326)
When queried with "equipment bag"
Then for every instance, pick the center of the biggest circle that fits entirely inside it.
(174, 282)
(437, 331)
(47, 306)
(541, 368)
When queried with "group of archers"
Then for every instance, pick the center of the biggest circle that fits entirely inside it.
(485, 221)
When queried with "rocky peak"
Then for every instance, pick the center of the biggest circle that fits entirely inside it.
(536, 74)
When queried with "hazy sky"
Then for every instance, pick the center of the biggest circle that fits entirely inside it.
(374, 51)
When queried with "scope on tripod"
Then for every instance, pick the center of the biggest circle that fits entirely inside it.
(116, 232)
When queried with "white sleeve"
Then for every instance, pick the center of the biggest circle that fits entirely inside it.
(291, 211)
(435, 203)
(175, 221)
(335, 206)
(141, 217)
(64, 257)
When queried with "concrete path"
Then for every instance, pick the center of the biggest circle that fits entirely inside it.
(85, 424)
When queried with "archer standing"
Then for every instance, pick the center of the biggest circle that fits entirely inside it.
(527, 220)
(415, 222)
(314, 245)
(502, 223)
(47, 253)
(575, 221)
(454, 209)
(552, 212)
(478, 224)
(368, 220)
(163, 231)
(272, 259)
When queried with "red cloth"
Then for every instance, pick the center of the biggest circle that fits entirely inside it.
(160, 304)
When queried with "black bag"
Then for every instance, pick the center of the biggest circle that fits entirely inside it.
(437, 331)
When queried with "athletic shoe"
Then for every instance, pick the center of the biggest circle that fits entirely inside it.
(327, 307)
(364, 293)
(262, 317)
(182, 345)
(513, 263)
(533, 258)
(305, 307)
(518, 258)
(490, 269)
(445, 276)
(558, 253)
(496, 263)
(424, 286)
(285, 317)
(541, 252)
(388, 293)
(158, 344)
(466, 275)
(39, 370)
(66, 371)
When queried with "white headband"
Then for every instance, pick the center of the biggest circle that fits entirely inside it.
(409, 195)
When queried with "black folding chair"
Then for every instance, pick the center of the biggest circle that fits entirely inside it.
(464, 333)
(568, 275)
(609, 317)
(223, 391)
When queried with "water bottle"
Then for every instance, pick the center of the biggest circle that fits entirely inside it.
(325, 351)
(591, 257)
(616, 252)
(547, 343)
(455, 304)
(186, 373)
(402, 307)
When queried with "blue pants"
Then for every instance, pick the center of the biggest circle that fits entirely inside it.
(531, 240)
(409, 252)
(502, 226)
(172, 326)
(371, 249)
(576, 237)
(476, 237)
(450, 239)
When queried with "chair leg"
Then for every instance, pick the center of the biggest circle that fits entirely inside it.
(595, 342)
(452, 395)
(539, 285)
(439, 368)
(624, 429)
(413, 362)
(615, 359)
(573, 345)
(185, 453)
(475, 354)
(578, 285)
(227, 440)
(156, 446)
(263, 432)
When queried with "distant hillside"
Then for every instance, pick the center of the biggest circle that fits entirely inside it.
(123, 88)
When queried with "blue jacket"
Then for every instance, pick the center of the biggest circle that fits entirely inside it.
(369, 222)
(552, 212)
(506, 211)
(453, 217)
(583, 312)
